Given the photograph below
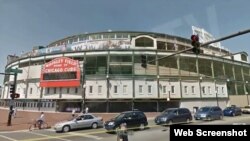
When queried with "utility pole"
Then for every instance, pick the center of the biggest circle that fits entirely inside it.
(84, 86)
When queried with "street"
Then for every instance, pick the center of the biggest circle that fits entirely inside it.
(154, 132)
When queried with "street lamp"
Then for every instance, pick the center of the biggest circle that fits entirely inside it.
(84, 97)
(216, 92)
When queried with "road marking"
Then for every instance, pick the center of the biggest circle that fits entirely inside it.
(88, 136)
(48, 136)
(7, 138)
(4, 132)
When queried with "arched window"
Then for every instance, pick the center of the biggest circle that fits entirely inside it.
(243, 57)
(144, 42)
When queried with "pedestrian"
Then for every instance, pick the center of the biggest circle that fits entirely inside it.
(73, 112)
(122, 133)
(86, 110)
(40, 120)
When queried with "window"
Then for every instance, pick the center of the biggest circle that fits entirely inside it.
(149, 89)
(125, 89)
(88, 117)
(91, 89)
(67, 90)
(144, 42)
(48, 90)
(209, 90)
(54, 90)
(243, 57)
(192, 89)
(140, 89)
(76, 90)
(99, 89)
(115, 89)
(30, 90)
(172, 89)
(164, 89)
(185, 89)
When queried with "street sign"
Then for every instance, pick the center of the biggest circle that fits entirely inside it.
(16, 70)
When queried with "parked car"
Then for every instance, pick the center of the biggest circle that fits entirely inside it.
(81, 121)
(174, 115)
(246, 110)
(209, 113)
(232, 111)
(133, 119)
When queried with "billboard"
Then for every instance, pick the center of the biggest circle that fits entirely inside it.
(60, 72)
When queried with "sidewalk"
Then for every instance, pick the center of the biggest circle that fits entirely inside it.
(24, 118)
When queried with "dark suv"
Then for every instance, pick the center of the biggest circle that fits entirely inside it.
(131, 118)
(174, 115)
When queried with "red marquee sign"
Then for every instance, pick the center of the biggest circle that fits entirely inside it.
(60, 72)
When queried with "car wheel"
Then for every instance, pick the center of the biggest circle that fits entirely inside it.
(142, 126)
(94, 125)
(66, 128)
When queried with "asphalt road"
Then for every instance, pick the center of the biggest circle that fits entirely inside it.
(153, 133)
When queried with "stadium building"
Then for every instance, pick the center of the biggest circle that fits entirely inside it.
(105, 72)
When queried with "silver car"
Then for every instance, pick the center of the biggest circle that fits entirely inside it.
(81, 121)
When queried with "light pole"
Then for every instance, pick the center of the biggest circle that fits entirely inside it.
(216, 92)
(84, 85)
(247, 92)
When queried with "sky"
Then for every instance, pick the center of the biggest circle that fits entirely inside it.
(28, 23)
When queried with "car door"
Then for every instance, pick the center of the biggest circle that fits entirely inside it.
(78, 122)
(82, 123)
(217, 112)
(136, 119)
(88, 120)
(175, 116)
(128, 119)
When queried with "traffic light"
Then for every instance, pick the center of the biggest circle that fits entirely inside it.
(13, 94)
(195, 43)
(16, 95)
(12, 89)
(144, 61)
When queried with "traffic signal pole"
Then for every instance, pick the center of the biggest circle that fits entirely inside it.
(12, 102)
(13, 93)
(207, 43)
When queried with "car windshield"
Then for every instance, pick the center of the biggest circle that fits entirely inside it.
(204, 109)
(167, 111)
(230, 108)
(120, 116)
